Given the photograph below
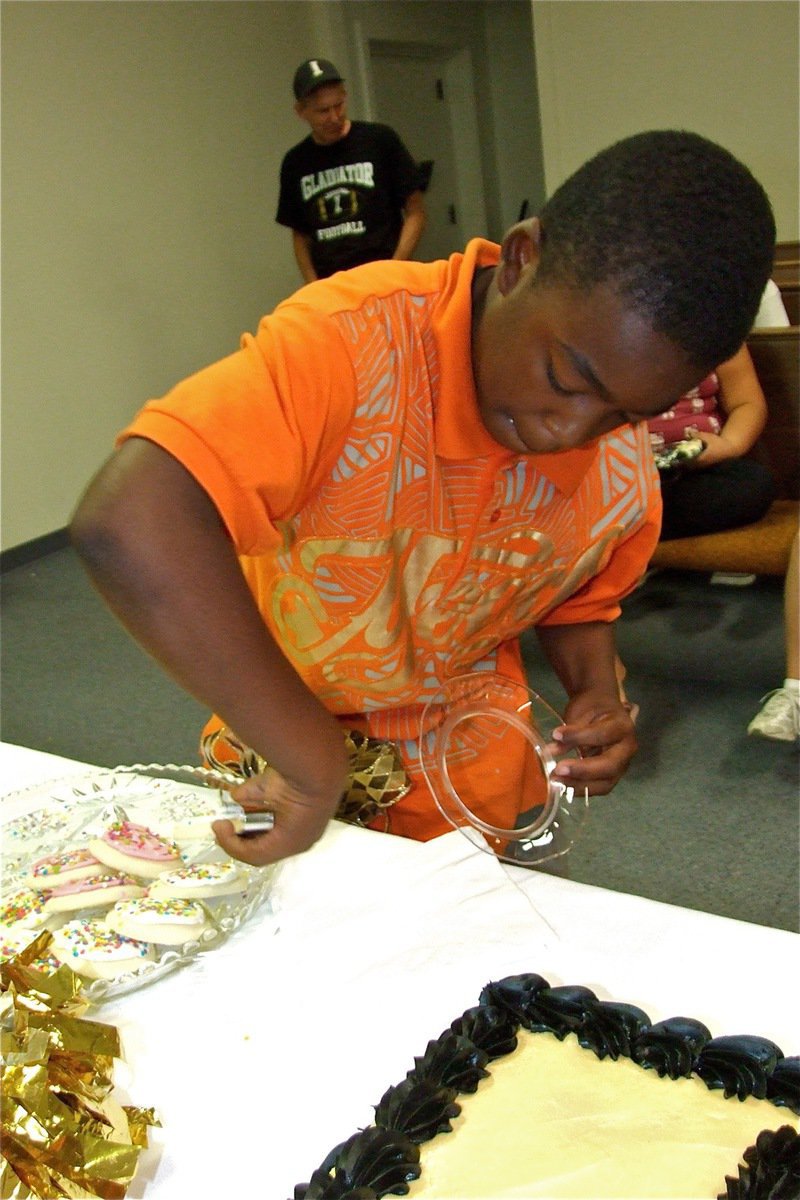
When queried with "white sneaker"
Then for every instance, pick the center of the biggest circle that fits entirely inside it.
(779, 718)
(733, 578)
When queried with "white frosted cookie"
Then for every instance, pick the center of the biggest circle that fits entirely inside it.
(200, 881)
(90, 948)
(99, 891)
(166, 922)
(187, 818)
(14, 941)
(135, 849)
(57, 869)
(23, 909)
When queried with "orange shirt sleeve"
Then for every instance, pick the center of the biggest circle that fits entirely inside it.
(260, 429)
(599, 599)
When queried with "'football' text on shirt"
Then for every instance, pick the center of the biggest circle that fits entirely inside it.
(361, 173)
(342, 230)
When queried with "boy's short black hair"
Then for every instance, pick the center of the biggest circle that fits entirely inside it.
(677, 226)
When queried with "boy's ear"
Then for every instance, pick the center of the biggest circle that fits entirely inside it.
(520, 250)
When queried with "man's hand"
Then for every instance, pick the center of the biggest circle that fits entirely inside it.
(602, 730)
(300, 820)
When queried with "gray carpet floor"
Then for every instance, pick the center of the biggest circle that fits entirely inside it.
(706, 817)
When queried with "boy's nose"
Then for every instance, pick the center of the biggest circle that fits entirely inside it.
(572, 427)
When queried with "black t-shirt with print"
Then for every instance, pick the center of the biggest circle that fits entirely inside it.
(348, 197)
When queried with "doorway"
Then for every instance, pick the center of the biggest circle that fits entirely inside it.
(421, 91)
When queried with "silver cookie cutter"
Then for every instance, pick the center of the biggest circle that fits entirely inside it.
(244, 822)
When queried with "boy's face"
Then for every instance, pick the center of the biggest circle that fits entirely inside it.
(556, 367)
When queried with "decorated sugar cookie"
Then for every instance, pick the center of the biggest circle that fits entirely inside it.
(23, 910)
(136, 850)
(200, 881)
(166, 922)
(96, 892)
(14, 941)
(56, 869)
(90, 948)
(186, 817)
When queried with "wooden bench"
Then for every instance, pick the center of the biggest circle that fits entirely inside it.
(763, 547)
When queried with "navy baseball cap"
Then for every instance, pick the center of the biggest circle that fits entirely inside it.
(313, 73)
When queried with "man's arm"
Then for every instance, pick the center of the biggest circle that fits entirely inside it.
(582, 655)
(157, 551)
(413, 224)
(301, 244)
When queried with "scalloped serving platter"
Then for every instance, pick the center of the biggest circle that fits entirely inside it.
(65, 813)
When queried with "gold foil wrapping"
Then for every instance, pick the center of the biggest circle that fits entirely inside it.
(377, 776)
(64, 1133)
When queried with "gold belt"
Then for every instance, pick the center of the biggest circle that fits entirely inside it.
(377, 778)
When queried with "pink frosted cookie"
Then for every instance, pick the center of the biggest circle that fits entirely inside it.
(166, 922)
(90, 948)
(200, 881)
(135, 849)
(56, 869)
(23, 910)
(97, 892)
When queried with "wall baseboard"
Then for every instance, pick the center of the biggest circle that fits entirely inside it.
(27, 552)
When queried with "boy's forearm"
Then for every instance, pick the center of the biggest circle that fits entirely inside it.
(157, 551)
(582, 655)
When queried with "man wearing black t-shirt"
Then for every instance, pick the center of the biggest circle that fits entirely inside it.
(350, 190)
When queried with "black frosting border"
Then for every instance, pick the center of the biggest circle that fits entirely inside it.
(382, 1159)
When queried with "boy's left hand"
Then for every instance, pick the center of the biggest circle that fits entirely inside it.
(602, 730)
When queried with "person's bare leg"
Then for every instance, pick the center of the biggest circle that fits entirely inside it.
(791, 612)
(779, 718)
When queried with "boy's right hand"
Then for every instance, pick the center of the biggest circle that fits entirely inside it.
(300, 820)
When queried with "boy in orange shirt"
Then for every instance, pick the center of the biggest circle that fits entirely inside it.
(410, 463)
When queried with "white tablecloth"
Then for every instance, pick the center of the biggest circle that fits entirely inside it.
(266, 1052)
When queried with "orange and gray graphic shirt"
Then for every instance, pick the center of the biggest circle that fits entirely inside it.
(389, 541)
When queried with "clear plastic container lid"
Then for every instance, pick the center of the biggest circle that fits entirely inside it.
(485, 711)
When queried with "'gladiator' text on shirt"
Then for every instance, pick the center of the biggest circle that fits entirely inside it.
(361, 173)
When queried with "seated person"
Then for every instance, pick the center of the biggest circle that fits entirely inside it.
(699, 409)
(720, 487)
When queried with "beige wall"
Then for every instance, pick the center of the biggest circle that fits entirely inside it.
(141, 144)
(727, 69)
(141, 148)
